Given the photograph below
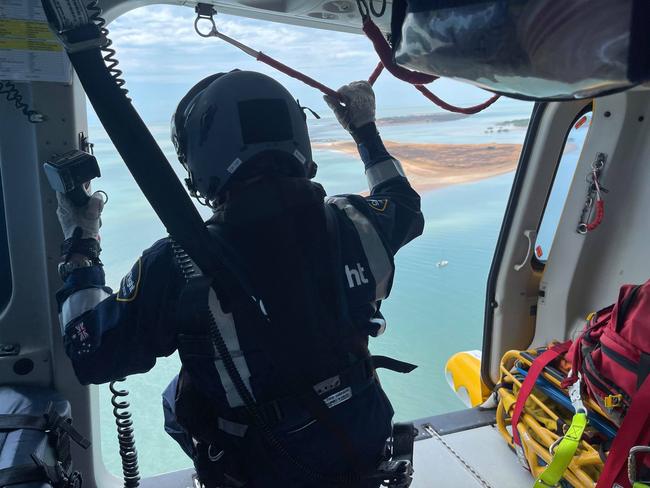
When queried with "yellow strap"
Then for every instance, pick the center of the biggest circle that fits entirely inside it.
(564, 453)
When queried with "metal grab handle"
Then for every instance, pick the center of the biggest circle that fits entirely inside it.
(531, 235)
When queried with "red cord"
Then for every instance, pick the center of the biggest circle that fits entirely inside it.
(375, 74)
(453, 108)
(385, 53)
(274, 63)
(600, 215)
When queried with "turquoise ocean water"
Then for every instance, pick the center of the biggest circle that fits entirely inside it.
(432, 312)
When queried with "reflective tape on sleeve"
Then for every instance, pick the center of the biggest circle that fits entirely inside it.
(376, 254)
(81, 302)
(383, 171)
(226, 325)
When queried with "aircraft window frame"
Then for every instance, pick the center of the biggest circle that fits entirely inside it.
(6, 275)
(537, 263)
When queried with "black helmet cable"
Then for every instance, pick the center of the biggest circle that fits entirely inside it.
(206, 12)
(11, 92)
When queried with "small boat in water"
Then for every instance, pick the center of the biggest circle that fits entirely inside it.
(442, 264)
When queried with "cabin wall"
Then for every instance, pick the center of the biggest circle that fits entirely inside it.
(34, 239)
(584, 272)
(517, 281)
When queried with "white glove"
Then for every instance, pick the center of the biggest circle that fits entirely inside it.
(359, 108)
(88, 217)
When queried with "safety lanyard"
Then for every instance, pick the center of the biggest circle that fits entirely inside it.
(206, 12)
(563, 452)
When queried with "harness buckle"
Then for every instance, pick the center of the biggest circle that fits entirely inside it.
(632, 472)
(82, 38)
(613, 401)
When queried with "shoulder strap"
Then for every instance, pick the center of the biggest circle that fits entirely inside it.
(334, 236)
(235, 265)
(624, 307)
(635, 430)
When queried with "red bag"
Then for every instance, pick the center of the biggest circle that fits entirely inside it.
(612, 356)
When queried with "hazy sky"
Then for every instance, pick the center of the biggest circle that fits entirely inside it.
(162, 57)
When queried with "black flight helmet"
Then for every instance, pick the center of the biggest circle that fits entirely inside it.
(229, 119)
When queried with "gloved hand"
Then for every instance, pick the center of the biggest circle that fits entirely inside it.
(87, 218)
(359, 108)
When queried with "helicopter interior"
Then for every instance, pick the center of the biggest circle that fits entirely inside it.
(528, 301)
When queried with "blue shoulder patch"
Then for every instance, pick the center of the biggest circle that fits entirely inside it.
(130, 284)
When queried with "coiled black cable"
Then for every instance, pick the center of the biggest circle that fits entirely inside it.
(109, 53)
(125, 436)
(8, 88)
(375, 12)
(346, 479)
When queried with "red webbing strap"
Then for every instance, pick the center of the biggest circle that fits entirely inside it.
(635, 430)
(385, 53)
(453, 108)
(534, 371)
(274, 63)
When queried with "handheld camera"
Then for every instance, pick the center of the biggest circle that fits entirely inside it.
(70, 174)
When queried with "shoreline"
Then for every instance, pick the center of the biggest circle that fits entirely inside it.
(434, 166)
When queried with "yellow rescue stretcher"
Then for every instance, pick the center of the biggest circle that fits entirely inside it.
(542, 425)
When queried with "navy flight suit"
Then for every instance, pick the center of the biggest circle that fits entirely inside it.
(109, 335)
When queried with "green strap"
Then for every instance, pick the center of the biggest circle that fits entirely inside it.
(564, 452)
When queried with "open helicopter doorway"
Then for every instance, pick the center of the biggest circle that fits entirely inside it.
(462, 165)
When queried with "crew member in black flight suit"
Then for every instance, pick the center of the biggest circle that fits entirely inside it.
(319, 267)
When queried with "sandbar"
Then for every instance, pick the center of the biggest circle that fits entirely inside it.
(433, 166)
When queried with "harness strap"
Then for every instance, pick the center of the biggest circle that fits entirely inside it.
(50, 421)
(527, 386)
(635, 430)
(564, 453)
(24, 473)
(39, 472)
(392, 364)
(357, 378)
